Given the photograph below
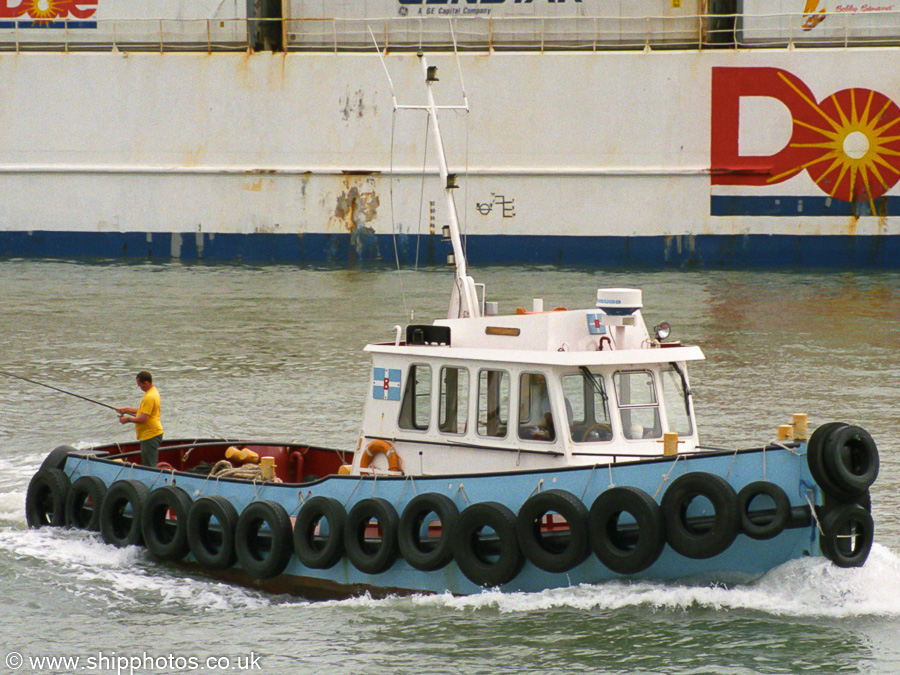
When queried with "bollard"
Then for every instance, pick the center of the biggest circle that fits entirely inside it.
(800, 427)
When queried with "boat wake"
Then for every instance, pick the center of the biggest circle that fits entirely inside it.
(120, 577)
(811, 587)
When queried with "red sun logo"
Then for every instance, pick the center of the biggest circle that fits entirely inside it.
(848, 143)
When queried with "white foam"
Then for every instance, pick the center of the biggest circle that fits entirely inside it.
(14, 474)
(121, 576)
(811, 587)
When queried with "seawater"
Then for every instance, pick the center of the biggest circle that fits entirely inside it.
(275, 352)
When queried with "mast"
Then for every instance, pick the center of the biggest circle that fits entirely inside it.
(464, 300)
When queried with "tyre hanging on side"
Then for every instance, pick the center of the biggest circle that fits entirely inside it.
(697, 533)
(45, 501)
(416, 545)
(487, 560)
(56, 458)
(553, 551)
(164, 522)
(371, 554)
(763, 523)
(851, 459)
(121, 512)
(847, 535)
(319, 533)
(630, 545)
(263, 539)
(83, 503)
(816, 462)
(211, 524)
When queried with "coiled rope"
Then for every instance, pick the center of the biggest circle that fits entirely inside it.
(224, 469)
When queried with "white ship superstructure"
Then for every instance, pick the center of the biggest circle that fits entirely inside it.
(662, 133)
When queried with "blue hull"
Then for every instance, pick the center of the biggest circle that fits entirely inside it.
(744, 558)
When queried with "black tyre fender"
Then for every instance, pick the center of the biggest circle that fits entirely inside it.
(56, 459)
(547, 552)
(418, 554)
(314, 550)
(468, 548)
(83, 503)
(816, 462)
(45, 500)
(611, 544)
(263, 557)
(847, 535)
(762, 526)
(212, 546)
(851, 459)
(693, 537)
(368, 558)
(121, 513)
(166, 538)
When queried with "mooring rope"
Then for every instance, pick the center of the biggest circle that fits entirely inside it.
(224, 469)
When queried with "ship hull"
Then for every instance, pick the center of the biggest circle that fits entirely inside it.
(645, 158)
(701, 512)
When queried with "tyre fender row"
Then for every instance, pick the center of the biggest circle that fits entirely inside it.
(624, 528)
(843, 459)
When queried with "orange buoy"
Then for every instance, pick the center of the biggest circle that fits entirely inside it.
(385, 448)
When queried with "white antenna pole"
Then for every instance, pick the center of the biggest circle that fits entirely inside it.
(464, 302)
(465, 285)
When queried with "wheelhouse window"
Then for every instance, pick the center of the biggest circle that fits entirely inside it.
(415, 413)
(535, 413)
(638, 405)
(454, 405)
(493, 403)
(586, 407)
(675, 398)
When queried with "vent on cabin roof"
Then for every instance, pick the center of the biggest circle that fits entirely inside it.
(427, 335)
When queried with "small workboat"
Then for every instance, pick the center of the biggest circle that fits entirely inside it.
(523, 451)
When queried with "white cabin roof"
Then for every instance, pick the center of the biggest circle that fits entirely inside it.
(544, 358)
(559, 338)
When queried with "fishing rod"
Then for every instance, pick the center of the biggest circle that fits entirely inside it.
(62, 391)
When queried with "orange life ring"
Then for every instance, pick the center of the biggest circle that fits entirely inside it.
(384, 448)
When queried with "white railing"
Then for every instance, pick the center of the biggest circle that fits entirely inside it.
(135, 35)
(473, 34)
(599, 32)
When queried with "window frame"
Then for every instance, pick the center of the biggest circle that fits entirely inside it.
(500, 422)
(411, 380)
(529, 419)
(679, 377)
(443, 399)
(587, 389)
(656, 404)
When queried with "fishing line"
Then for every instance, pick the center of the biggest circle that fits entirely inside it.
(62, 391)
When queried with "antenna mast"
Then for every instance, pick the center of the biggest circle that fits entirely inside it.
(464, 300)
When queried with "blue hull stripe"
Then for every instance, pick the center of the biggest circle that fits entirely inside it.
(734, 251)
(741, 205)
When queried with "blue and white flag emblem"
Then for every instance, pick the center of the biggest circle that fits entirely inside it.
(595, 324)
(386, 384)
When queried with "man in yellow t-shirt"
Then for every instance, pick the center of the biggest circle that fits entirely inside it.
(145, 419)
